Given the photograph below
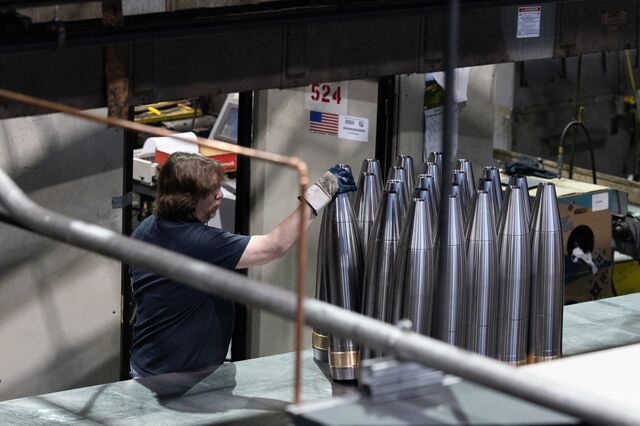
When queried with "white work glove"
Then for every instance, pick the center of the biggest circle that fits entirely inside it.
(321, 191)
(335, 180)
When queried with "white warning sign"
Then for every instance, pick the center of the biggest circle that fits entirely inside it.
(529, 21)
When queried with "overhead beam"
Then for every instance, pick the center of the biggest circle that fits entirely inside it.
(274, 4)
(21, 4)
(245, 53)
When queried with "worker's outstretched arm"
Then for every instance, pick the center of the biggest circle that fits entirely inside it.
(265, 248)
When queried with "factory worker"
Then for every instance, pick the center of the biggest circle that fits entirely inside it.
(178, 328)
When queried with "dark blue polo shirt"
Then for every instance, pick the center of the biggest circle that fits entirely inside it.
(179, 328)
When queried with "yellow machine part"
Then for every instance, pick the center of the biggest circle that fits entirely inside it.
(626, 277)
(165, 111)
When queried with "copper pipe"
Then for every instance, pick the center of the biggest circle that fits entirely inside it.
(292, 162)
(302, 246)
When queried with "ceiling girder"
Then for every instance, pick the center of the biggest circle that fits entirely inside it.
(249, 53)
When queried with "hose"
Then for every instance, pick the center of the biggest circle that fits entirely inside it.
(579, 125)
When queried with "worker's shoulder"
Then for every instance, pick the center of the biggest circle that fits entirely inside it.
(211, 232)
(209, 235)
(154, 227)
(144, 227)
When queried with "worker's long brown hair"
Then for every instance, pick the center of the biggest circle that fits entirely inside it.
(184, 179)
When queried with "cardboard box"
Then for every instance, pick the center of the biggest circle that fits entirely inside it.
(586, 235)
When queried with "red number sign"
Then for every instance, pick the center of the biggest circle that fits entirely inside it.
(327, 97)
(323, 93)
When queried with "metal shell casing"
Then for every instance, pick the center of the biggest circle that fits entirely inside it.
(371, 165)
(411, 296)
(465, 166)
(524, 193)
(366, 206)
(514, 256)
(547, 277)
(437, 158)
(398, 186)
(429, 182)
(406, 162)
(458, 191)
(345, 267)
(400, 174)
(503, 211)
(319, 338)
(379, 264)
(521, 182)
(487, 186)
(435, 170)
(449, 303)
(460, 177)
(493, 173)
(482, 278)
(426, 181)
(426, 194)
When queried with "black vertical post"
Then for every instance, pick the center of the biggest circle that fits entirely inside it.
(385, 122)
(126, 295)
(449, 130)
(239, 345)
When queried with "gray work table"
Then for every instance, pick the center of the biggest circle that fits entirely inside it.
(601, 324)
(234, 391)
(262, 386)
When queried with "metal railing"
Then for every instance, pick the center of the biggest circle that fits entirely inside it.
(282, 160)
(372, 333)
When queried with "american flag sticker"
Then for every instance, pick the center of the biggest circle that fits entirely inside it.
(323, 122)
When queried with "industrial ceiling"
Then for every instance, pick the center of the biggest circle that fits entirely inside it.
(250, 45)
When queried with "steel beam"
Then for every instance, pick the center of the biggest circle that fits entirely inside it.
(213, 51)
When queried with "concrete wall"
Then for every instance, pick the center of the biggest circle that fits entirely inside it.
(504, 83)
(484, 118)
(281, 126)
(544, 103)
(59, 306)
(477, 118)
(410, 117)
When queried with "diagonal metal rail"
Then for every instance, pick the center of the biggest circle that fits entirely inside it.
(281, 160)
(580, 403)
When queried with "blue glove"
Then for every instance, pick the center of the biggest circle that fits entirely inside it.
(346, 183)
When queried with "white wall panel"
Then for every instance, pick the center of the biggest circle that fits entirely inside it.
(281, 126)
(410, 128)
(477, 118)
(59, 306)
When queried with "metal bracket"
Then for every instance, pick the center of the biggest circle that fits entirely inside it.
(122, 201)
(390, 378)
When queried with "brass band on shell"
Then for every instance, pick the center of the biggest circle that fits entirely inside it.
(533, 359)
(319, 341)
(517, 363)
(344, 359)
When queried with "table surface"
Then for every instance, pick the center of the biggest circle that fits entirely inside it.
(601, 324)
(262, 386)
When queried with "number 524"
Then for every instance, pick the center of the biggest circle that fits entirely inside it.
(322, 93)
